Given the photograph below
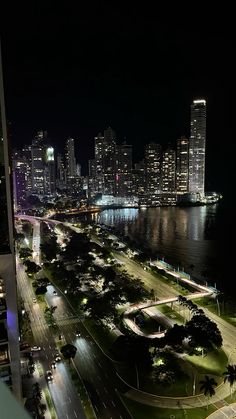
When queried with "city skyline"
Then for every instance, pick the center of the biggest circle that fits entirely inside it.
(171, 175)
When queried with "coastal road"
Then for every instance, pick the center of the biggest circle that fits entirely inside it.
(64, 395)
(95, 369)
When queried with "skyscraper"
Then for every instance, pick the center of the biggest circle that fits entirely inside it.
(168, 171)
(197, 146)
(70, 158)
(182, 165)
(9, 331)
(105, 147)
(123, 167)
(61, 172)
(153, 156)
(37, 152)
(49, 172)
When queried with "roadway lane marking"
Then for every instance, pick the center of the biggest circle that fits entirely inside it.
(96, 407)
(46, 356)
(49, 347)
(104, 405)
(113, 403)
(75, 414)
(99, 365)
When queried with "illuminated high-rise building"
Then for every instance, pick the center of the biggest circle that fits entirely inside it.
(168, 171)
(70, 158)
(27, 159)
(9, 331)
(49, 171)
(38, 155)
(104, 162)
(21, 171)
(182, 165)
(61, 172)
(109, 161)
(123, 167)
(197, 145)
(153, 156)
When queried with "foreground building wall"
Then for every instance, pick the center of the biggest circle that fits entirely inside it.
(9, 331)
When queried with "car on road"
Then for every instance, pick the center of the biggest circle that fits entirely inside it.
(78, 334)
(49, 376)
(57, 357)
(53, 365)
(35, 348)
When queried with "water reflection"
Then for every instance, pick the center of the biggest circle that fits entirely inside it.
(184, 236)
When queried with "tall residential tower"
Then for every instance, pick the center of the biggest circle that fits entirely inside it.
(182, 165)
(197, 146)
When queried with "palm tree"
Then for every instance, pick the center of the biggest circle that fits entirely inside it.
(230, 376)
(207, 386)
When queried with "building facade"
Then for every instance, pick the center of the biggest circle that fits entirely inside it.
(123, 179)
(37, 162)
(168, 171)
(153, 158)
(182, 165)
(9, 330)
(197, 146)
(70, 158)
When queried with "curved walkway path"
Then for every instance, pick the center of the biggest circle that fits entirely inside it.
(187, 402)
(224, 412)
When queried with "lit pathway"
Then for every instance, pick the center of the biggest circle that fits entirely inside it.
(228, 411)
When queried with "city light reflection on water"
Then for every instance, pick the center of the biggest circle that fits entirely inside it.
(194, 238)
(186, 237)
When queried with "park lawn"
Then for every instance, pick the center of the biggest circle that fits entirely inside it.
(227, 310)
(232, 398)
(214, 362)
(177, 286)
(149, 324)
(178, 388)
(141, 411)
(172, 314)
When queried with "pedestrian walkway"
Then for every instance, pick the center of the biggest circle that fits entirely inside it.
(189, 402)
(228, 411)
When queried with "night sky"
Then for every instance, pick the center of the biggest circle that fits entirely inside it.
(75, 71)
